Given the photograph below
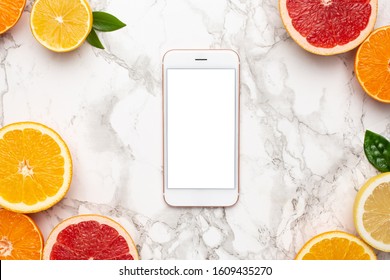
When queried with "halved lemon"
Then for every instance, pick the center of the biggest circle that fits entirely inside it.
(372, 212)
(35, 167)
(335, 245)
(61, 26)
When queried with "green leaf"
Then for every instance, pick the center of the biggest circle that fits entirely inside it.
(106, 22)
(94, 40)
(377, 150)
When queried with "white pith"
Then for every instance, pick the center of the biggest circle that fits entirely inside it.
(359, 208)
(25, 169)
(300, 40)
(5, 247)
(59, 19)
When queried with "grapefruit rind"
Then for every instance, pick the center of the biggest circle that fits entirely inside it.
(332, 234)
(302, 42)
(358, 210)
(65, 153)
(52, 239)
(361, 82)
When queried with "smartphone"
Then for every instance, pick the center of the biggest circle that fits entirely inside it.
(201, 128)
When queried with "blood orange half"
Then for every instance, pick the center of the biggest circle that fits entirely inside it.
(328, 27)
(89, 237)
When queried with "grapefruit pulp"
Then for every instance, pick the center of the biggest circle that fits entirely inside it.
(328, 27)
(89, 237)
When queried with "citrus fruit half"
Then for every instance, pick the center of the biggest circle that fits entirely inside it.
(372, 64)
(61, 26)
(20, 238)
(328, 27)
(35, 167)
(89, 237)
(372, 212)
(10, 13)
(335, 245)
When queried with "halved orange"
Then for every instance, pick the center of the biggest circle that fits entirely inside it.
(10, 13)
(20, 238)
(335, 245)
(372, 64)
(59, 25)
(35, 167)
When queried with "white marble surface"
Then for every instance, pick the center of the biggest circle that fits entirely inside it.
(303, 121)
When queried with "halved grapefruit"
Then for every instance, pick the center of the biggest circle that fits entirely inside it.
(89, 237)
(328, 27)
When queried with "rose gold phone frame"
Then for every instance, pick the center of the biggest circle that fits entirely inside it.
(238, 126)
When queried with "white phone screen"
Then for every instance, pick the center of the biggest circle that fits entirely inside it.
(201, 128)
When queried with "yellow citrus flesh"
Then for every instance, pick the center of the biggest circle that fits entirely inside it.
(35, 167)
(61, 26)
(335, 245)
(372, 212)
(20, 238)
(10, 13)
(372, 64)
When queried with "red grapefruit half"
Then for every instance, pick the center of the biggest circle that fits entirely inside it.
(89, 237)
(328, 27)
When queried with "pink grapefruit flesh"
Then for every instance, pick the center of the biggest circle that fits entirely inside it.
(89, 237)
(328, 27)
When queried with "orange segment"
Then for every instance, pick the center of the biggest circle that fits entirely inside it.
(372, 64)
(20, 238)
(10, 13)
(61, 26)
(335, 245)
(35, 167)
